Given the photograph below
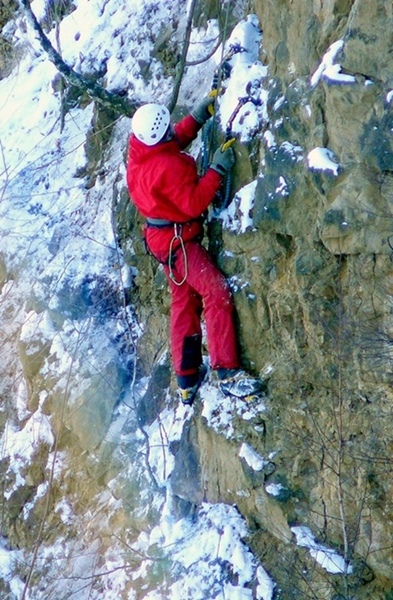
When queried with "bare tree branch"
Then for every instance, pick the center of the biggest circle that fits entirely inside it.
(116, 102)
(182, 63)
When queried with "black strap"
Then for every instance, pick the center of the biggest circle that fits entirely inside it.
(158, 223)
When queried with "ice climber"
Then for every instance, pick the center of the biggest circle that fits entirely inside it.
(164, 185)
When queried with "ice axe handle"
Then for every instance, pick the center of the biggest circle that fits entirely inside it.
(212, 94)
(228, 144)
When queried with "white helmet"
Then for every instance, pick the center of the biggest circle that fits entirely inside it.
(150, 122)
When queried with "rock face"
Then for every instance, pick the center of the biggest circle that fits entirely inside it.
(317, 304)
(312, 282)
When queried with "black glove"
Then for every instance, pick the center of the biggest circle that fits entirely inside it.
(201, 112)
(223, 161)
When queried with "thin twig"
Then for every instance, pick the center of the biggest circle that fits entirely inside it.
(194, 63)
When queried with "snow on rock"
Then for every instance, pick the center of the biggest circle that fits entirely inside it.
(246, 79)
(266, 585)
(219, 410)
(238, 216)
(199, 548)
(329, 559)
(322, 159)
(42, 489)
(294, 150)
(269, 139)
(20, 446)
(274, 489)
(8, 564)
(164, 430)
(84, 38)
(252, 458)
(65, 510)
(39, 7)
(282, 188)
(37, 325)
(60, 232)
(203, 42)
(21, 400)
(329, 70)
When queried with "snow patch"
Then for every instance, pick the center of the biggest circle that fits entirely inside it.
(270, 139)
(219, 410)
(329, 559)
(238, 216)
(37, 326)
(329, 70)
(166, 429)
(246, 78)
(9, 560)
(322, 159)
(294, 150)
(20, 446)
(252, 458)
(266, 585)
(199, 548)
(274, 489)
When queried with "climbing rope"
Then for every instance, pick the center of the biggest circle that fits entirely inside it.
(221, 73)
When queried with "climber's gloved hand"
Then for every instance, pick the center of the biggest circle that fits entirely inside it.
(204, 110)
(223, 160)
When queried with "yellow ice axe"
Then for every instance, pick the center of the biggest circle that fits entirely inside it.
(228, 144)
(212, 94)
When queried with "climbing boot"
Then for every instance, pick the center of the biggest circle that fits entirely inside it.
(188, 393)
(239, 384)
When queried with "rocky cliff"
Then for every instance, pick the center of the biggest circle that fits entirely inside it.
(99, 463)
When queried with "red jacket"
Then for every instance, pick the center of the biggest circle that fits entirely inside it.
(164, 184)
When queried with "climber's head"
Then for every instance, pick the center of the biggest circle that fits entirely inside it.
(150, 123)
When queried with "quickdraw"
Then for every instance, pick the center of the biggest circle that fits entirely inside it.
(251, 90)
(223, 71)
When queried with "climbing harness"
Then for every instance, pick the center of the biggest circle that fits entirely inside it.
(177, 235)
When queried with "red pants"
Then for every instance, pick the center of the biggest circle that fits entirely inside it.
(205, 289)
